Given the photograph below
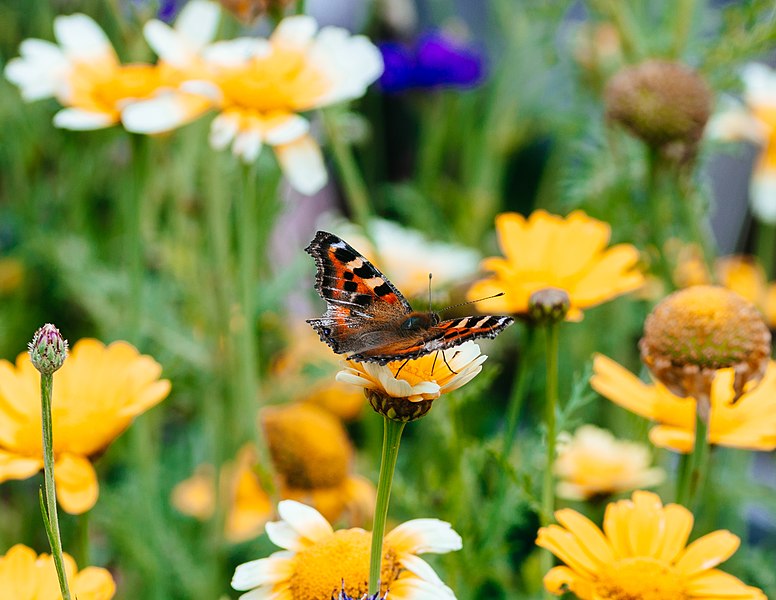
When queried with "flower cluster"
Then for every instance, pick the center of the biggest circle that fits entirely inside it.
(257, 86)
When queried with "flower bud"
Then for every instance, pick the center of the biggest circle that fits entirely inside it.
(398, 409)
(48, 349)
(548, 305)
(663, 103)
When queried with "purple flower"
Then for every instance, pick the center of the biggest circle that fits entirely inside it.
(435, 60)
(167, 10)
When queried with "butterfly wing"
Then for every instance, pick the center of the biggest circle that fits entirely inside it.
(441, 336)
(360, 302)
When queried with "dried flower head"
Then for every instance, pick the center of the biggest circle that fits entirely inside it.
(694, 332)
(661, 102)
(48, 349)
(549, 305)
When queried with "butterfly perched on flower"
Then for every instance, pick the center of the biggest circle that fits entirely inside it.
(368, 319)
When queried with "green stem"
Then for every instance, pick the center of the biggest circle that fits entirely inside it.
(133, 207)
(660, 222)
(356, 193)
(517, 395)
(550, 417)
(50, 518)
(766, 246)
(391, 438)
(694, 475)
(619, 12)
(83, 540)
(683, 14)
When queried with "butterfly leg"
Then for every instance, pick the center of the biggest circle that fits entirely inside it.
(401, 367)
(446, 363)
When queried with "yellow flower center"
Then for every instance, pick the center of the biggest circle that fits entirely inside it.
(640, 579)
(430, 367)
(308, 445)
(320, 570)
(102, 86)
(282, 81)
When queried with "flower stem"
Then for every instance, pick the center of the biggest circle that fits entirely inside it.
(550, 407)
(391, 438)
(50, 518)
(683, 21)
(694, 469)
(356, 194)
(766, 246)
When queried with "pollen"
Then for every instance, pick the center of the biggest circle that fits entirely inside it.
(309, 446)
(320, 570)
(695, 331)
(642, 578)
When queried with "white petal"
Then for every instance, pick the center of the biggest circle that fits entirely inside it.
(234, 53)
(223, 129)
(198, 22)
(82, 120)
(302, 164)
(264, 571)
(247, 145)
(40, 71)
(762, 195)
(266, 594)
(352, 377)
(760, 83)
(305, 520)
(420, 568)
(200, 87)
(424, 535)
(295, 31)
(416, 589)
(735, 125)
(283, 535)
(169, 46)
(81, 37)
(163, 113)
(287, 131)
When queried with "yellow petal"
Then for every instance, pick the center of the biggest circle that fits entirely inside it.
(646, 523)
(616, 527)
(622, 387)
(611, 276)
(591, 539)
(678, 523)
(94, 583)
(716, 584)
(13, 466)
(707, 552)
(76, 482)
(678, 440)
(17, 572)
(566, 547)
(560, 579)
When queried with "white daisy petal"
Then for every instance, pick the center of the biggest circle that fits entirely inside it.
(234, 53)
(198, 22)
(163, 113)
(287, 130)
(168, 45)
(82, 120)
(295, 31)
(353, 378)
(419, 567)
(206, 89)
(762, 195)
(247, 145)
(417, 589)
(760, 84)
(737, 124)
(40, 70)
(302, 164)
(261, 572)
(424, 535)
(283, 535)
(305, 520)
(223, 129)
(81, 38)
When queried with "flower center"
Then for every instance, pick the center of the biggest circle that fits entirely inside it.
(320, 570)
(284, 80)
(103, 87)
(640, 579)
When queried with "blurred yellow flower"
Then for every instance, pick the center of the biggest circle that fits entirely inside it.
(749, 422)
(317, 560)
(755, 121)
(26, 576)
(83, 73)
(641, 554)
(593, 462)
(97, 393)
(548, 251)
(260, 85)
(420, 381)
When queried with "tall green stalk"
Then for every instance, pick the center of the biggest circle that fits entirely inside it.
(694, 469)
(550, 421)
(391, 438)
(50, 518)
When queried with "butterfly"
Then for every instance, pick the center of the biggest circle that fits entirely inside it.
(368, 319)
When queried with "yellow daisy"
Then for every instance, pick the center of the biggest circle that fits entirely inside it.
(97, 393)
(26, 576)
(749, 422)
(408, 395)
(259, 86)
(641, 554)
(593, 462)
(548, 251)
(317, 560)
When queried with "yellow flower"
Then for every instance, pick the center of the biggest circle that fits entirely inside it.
(83, 73)
(26, 576)
(260, 85)
(749, 423)
(641, 554)
(755, 121)
(97, 393)
(548, 251)
(419, 382)
(593, 462)
(317, 559)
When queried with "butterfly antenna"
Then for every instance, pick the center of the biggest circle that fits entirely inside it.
(472, 301)
(429, 292)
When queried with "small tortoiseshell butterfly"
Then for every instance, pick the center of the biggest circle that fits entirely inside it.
(368, 318)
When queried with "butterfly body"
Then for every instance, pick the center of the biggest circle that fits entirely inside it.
(368, 319)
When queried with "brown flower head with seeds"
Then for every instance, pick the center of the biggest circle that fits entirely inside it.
(696, 331)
